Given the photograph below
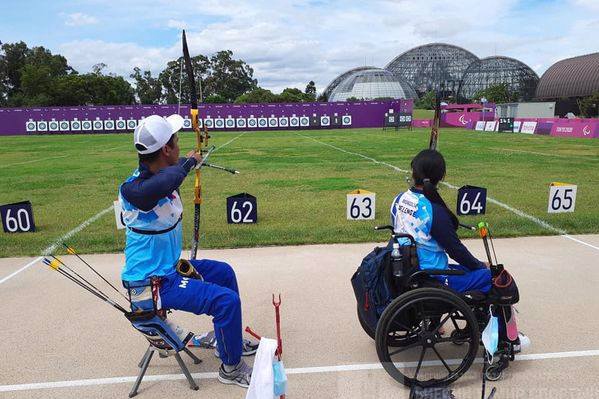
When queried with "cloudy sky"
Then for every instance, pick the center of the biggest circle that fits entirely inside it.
(289, 43)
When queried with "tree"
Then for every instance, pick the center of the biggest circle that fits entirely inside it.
(229, 77)
(92, 89)
(589, 106)
(148, 90)
(258, 95)
(498, 94)
(311, 90)
(427, 101)
(40, 68)
(175, 74)
(293, 95)
(215, 99)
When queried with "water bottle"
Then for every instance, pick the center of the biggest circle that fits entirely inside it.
(396, 260)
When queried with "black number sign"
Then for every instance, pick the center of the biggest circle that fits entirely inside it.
(17, 217)
(242, 208)
(472, 200)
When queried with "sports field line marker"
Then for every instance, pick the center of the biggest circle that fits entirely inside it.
(515, 211)
(299, 370)
(569, 237)
(58, 242)
(77, 229)
(31, 161)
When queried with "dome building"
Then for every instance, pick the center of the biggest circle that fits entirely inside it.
(369, 83)
(428, 67)
(520, 79)
(572, 77)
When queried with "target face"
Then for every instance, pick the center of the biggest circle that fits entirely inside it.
(64, 126)
(98, 125)
(252, 122)
(42, 126)
(262, 122)
(121, 124)
(209, 123)
(284, 122)
(304, 121)
(131, 124)
(186, 123)
(230, 123)
(200, 124)
(294, 121)
(325, 121)
(53, 126)
(272, 122)
(219, 123)
(346, 120)
(75, 125)
(241, 122)
(86, 125)
(30, 126)
(108, 124)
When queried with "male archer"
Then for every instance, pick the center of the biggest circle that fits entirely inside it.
(152, 213)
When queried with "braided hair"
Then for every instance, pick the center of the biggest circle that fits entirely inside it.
(428, 169)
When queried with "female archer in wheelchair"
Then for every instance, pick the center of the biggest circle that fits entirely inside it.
(424, 312)
(422, 213)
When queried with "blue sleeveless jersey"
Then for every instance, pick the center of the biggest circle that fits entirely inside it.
(412, 213)
(149, 255)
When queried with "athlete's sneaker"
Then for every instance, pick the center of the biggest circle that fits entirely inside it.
(248, 349)
(241, 375)
(206, 340)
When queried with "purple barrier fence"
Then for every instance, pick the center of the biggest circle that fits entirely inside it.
(124, 118)
(588, 128)
(466, 120)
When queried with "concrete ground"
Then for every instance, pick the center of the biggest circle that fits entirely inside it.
(58, 341)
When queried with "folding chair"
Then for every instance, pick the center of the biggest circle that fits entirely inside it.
(164, 337)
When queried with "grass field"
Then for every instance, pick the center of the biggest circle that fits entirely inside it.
(299, 181)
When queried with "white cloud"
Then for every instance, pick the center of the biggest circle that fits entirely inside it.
(176, 24)
(291, 43)
(120, 58)
(79, 19)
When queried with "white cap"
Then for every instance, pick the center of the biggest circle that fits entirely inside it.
(155, 131)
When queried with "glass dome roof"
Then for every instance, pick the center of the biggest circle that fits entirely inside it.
(370, 84)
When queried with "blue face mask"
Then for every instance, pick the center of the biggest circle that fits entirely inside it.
(490, 336)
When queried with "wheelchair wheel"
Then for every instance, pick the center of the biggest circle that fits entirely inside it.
(397, 337)
(422, 313)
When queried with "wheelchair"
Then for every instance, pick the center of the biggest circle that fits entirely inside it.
(427, 324)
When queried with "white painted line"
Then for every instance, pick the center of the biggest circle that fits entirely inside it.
(76, 230)
(569, 237)
(515, 211)
(82, 226)
(33, 262)
(32, 161)
(300, 370)
(230, 141)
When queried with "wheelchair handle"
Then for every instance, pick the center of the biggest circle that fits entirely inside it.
(396, 235)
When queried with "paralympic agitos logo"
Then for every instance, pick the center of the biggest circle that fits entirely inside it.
(586, 130)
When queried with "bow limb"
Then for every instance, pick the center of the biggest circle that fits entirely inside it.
(199, 141)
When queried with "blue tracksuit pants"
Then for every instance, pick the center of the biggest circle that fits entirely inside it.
(473, 280)
(217, 296)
